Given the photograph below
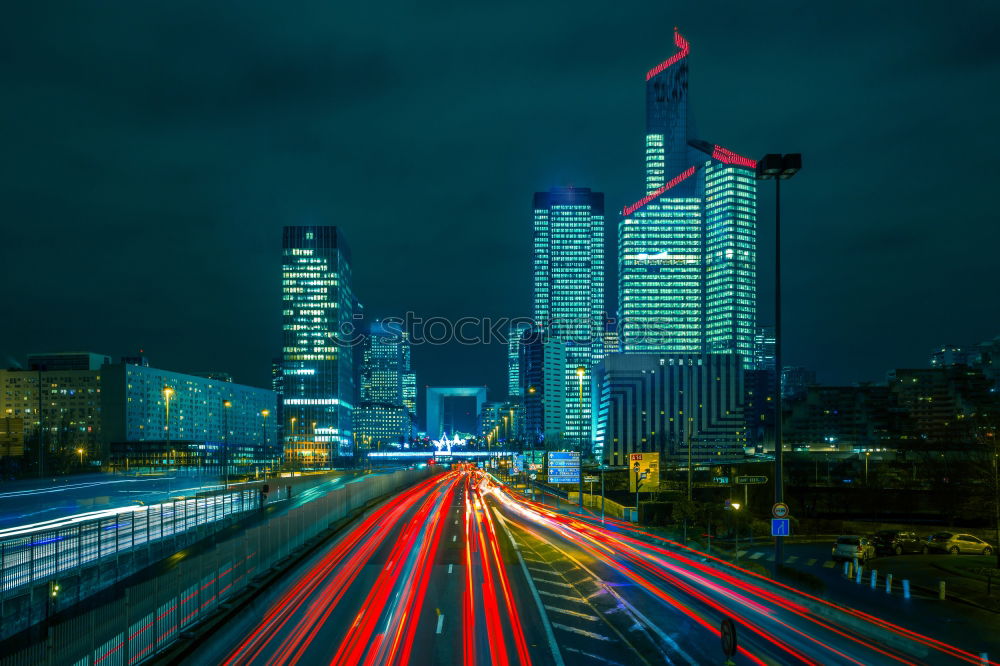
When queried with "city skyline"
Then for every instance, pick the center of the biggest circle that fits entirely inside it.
(860, 337)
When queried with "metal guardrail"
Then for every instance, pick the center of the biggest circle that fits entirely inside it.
(44, 554)
(150, 615)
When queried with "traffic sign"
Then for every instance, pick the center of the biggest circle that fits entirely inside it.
(750, 480)
(645, 472)
(590, 479)
(564, 467)
(779, 510)
(780, 527)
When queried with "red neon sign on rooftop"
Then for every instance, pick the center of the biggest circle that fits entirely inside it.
(628, 210)
(680, 43)
(729, 157)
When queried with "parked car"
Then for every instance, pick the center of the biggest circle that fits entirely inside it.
(957, 544)
(853, 546)
(897, 542)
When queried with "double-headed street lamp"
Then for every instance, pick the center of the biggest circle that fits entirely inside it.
(778, 168)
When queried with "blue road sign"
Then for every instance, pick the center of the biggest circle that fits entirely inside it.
(564, 467)
(780, 527)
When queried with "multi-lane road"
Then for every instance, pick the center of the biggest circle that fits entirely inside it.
(32, 501)
(461, 570)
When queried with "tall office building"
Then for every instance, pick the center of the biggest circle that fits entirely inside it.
(383, 415)
(317, 360)
(514, 334)
(686, 250)
(409, 385)
(568, 294)
(543, 383)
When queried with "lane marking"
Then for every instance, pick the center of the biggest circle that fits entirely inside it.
(456, 521)
(440, 624)
(577, 600)
(585, 616)
(594, 656)
(454, 537)
(553, 645)
(770, 558)
(756, 556)
(791, 559)
(811, 561)
(449, 567)
(829, 564)
(582, 632)
(553, 582)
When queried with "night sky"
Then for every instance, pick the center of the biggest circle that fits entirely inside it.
(153, 151)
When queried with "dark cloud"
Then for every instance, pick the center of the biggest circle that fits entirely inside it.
(152, 153)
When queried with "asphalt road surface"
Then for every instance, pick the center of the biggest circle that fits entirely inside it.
(31, 501)
(459, 570)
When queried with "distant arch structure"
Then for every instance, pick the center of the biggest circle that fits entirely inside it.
(435, 404)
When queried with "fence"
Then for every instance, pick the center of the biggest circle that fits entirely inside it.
(151, 614)
(86, 554)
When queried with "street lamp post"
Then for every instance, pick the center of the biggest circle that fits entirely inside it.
(736, 528)
(168, 393)
(264, 413)
(778, 168)
(226, 404)
(580, 372)
(80, 451)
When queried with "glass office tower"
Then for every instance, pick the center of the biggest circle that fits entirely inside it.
(660, 277)
(568, 291)
(687, 248)
(388, 388)
(317, 356)
(514, 334)
(730, 259)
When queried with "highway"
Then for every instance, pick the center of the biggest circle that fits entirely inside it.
(30, 501)
(459, 569)
(39, 550)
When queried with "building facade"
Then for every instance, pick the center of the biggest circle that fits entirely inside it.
(687, 248)
(514, 389)
(568, 292)
(667, 403)
(317, 360)
(156, 417)
(543, 382)
(65, 415)
(388, 388)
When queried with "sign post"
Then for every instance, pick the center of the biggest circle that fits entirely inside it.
(780, 524)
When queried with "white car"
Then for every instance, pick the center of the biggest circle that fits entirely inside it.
(853, 546)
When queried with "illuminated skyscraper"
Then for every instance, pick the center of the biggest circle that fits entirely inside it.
(388, 387)
(317, 360)
(514, 389)
(568, 294)
(687, 249)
